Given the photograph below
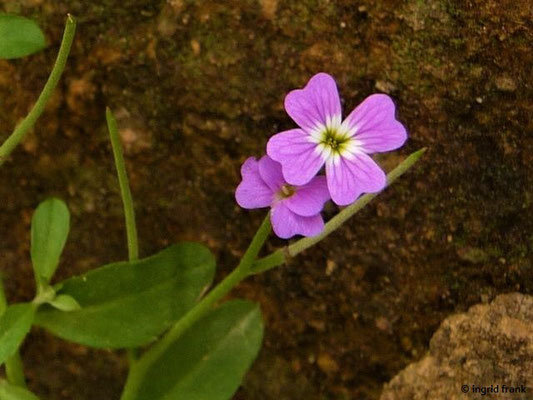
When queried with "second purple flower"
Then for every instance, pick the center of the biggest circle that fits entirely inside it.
(295, 210)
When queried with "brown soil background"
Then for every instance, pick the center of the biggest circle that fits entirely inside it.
(198, 86)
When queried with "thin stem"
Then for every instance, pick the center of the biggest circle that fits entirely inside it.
(279, 257)
(127, 201)
(23, 128)
(15, 370)
(273, 260)
(247, 267)
(129, 213)
(3, 300)
(139, 369)
(13, 364)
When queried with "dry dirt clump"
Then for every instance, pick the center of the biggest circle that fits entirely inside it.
(491, 344)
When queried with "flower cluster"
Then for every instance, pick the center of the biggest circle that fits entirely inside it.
(286, 179)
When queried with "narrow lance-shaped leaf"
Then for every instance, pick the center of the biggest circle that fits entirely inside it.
(209, 361)
(12, 392)
(49, 231)
(19, 36)
(15, 323)
(128, 304)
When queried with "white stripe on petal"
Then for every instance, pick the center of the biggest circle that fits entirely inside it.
(316, 133)
(326, 152)
(319, 149)
(333, 122)
(313, 139)
(334, 158)
(349, 131)
(351, 148)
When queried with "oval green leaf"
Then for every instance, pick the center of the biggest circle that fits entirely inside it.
(19, 36)
(15, 323)
(65, 303)
(128, 304)
(49, 231)
(12, 392)
(209, 361)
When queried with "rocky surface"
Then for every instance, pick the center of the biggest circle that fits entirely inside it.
(489, 348)
(198, 86)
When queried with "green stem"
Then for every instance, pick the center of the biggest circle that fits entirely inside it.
(14, 367)
(279, 256)
(248, 267)
(129, 213)
(15, 370)
(127, 201)
(273, 260)
(23, 128)
(3, 301)
(139, 369)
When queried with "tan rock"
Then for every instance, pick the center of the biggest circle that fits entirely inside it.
(491, 344)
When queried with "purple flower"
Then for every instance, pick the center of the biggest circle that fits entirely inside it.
(343, 146)
(295, 209)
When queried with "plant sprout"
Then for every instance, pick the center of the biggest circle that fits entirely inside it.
(183, 341)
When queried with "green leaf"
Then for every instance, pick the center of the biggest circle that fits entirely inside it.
(209, 361)
(12, 392)
(64, 302)
(128, 304)
(15, 323)
(19, 36)
(49, 230)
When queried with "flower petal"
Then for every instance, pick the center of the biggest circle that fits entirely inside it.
(300, 160)
(317, 104)
(253, 192)
(374, 125)
(310, 198)
(286, 224)
(349, 177)
(270, 172)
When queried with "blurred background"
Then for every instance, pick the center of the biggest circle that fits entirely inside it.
(197, 87)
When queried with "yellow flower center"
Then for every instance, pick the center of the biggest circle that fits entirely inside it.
(287, 191)
(332, 139)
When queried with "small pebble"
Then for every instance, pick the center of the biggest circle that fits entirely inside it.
(327, 364)
(331, 266)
